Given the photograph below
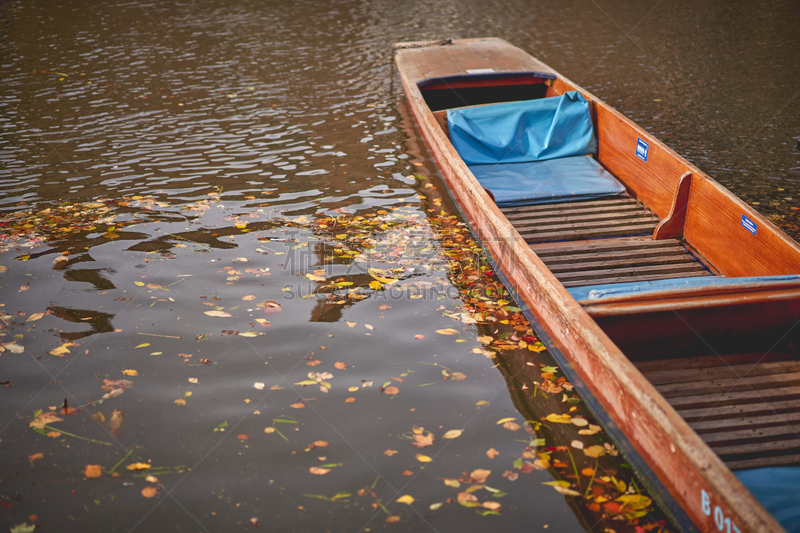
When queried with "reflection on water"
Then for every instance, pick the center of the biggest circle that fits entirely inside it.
(167, 168)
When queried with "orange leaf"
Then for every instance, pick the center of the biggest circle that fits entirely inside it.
(321, 443)
(319, 470)
(149, 492)
(298, 405)
(491, 453)
(35, 457)
(391, 390)
(350, 399)
(340, 365)
(480, 475)
(93, 471)
(242, 437)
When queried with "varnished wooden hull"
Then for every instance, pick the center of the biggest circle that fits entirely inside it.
(704, 488)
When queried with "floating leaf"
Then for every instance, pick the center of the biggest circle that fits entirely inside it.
(447, 331)
(558, 418)
(406, 499)
(35, 316)
(591, 430)
(423, 458)
(391, 390)
(149, 492)
(220, 314)
(61, 351)
(491, 453)
(480, 475)
(563, 487)
(319, 471)
(340, 365)
(389, 452)
(258, 385)
(595, 451)
(453, 434)
(504, 420)
(298, 405)
(143, 345)
(635, 501)
(130, 372)
(138, 466)
(93, 471)
(248, 297)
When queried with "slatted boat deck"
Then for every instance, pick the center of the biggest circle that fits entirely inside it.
(746, 407)
(592, 242)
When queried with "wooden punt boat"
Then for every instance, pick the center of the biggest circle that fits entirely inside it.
(669, 302)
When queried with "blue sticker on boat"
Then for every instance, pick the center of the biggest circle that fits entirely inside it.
(749, 225)
(641, 149)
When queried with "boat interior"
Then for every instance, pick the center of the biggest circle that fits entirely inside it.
(696, 288)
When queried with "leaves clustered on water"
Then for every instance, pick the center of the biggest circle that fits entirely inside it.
(398, 240)
(605, 492)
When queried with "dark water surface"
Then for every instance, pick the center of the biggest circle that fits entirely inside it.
(162, 161)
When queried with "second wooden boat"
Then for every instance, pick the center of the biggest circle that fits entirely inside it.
(672, 304)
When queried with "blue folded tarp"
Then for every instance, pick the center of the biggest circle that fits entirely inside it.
(523, 132)
(534, 151)
(778, 490)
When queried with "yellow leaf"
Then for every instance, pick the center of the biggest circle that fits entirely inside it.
(130, 372)
(423, 458)
(504, 420)
(484, 402)
(379, 275)
(35, 316)
(138, 466)
(376, 285)
(591, 431)
(595, 451)
(452, 434)
(143, 345)
(314, 277)
(250, 334)
(407, 499)
(352, 389)
(180, 401)
(139, 283)
(452, 483)
(558, 418)
(447, 331)
(248, 297)
(60, 351)
(636, 501)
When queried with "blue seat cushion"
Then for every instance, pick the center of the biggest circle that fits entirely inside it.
(597, 292)
(555, 180)
(523, 132)
(778, 490)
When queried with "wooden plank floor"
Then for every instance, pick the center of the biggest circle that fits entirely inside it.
(597, 254)
(746, 407)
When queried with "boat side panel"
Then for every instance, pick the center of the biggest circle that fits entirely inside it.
(736, 247)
